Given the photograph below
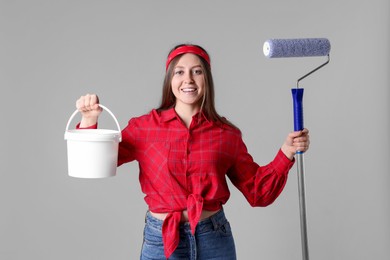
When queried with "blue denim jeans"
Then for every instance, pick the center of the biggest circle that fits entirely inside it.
(213, 239)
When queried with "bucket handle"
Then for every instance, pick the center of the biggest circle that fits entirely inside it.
(105, 108)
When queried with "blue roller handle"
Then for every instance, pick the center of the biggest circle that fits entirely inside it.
(297, 94)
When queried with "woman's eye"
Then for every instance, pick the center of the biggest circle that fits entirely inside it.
(198, 72)
(179, 72)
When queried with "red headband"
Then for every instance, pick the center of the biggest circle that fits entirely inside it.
(187, 49)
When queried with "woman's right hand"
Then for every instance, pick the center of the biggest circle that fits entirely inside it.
(89, 108)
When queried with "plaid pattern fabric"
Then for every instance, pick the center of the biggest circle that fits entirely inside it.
(185, 168)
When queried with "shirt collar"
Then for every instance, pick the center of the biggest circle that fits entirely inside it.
(170, 114)
(167, 115)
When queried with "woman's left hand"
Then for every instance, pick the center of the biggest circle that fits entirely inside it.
(297, 141)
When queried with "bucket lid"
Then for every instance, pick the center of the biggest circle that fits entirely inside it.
(93, 135)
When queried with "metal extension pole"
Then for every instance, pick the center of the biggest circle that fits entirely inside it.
(302, 204)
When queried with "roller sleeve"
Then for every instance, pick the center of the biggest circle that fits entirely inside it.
(284, 48)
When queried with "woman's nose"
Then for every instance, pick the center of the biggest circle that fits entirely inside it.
(188, 77)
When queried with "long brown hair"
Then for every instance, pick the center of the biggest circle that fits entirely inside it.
(208, 105)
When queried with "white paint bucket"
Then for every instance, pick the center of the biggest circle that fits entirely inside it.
(92, 153)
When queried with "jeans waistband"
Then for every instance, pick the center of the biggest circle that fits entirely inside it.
(212, 222)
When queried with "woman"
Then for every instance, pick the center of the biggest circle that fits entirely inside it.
(185, 150)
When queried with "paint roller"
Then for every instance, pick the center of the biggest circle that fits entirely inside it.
(285, 48)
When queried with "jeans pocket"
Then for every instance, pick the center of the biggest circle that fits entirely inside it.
(153, 236)
(225, 229)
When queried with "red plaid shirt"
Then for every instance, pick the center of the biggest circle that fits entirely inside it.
(185, 168)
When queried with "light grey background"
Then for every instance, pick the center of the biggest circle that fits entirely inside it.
(54, 51)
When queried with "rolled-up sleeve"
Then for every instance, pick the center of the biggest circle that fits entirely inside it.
(261, 185)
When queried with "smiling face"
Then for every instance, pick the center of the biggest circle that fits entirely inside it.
(188, 83)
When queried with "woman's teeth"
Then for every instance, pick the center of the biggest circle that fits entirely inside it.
(188, 89)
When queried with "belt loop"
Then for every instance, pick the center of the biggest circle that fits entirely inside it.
(214, 220)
